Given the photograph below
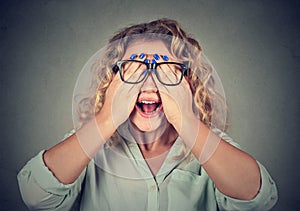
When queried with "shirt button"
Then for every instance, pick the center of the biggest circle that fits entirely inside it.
(24, 173)
(153, 187)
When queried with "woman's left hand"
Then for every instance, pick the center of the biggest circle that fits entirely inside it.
(178, 107)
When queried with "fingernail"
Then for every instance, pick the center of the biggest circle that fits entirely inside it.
(142, 55)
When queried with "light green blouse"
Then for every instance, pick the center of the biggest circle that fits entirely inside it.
(107, 184)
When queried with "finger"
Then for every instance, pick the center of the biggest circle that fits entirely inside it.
(160, 86)
(122, 105)
(116, 80)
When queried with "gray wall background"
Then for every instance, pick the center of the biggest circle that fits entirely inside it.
(254, 46)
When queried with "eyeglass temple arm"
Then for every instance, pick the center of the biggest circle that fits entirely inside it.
(115, 69)
(187, 68)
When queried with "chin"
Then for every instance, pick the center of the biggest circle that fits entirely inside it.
(147, 124)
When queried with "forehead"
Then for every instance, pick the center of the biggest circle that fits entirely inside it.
(147, 47)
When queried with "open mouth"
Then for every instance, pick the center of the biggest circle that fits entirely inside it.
(148, 107)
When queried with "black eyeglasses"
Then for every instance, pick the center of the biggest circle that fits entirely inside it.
(134, 71)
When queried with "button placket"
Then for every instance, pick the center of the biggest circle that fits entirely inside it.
(153, 194)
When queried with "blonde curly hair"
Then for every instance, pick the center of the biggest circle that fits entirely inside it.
(210, 104)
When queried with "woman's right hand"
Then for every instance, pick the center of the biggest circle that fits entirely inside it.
(119, 102)
(120, 99)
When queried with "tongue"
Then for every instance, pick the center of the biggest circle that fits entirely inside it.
(149, 107)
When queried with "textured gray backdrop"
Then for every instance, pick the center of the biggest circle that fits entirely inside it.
(254, 46)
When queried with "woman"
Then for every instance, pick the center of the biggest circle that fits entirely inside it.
(151, 136)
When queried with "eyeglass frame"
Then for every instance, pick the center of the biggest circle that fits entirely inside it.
(151, 67)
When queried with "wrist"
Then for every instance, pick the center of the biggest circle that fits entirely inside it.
(189, 130)
(105, 124)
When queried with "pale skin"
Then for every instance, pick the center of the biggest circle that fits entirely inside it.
(234, 172)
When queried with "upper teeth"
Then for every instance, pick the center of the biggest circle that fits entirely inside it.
(147, 102)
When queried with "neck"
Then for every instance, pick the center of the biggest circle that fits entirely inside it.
(158, 140)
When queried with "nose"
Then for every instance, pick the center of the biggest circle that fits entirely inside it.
(149, 84)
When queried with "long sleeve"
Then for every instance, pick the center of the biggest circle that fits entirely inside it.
(264, 200)
(40, 189)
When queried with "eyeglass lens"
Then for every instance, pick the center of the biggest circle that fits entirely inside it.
(166, 73)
